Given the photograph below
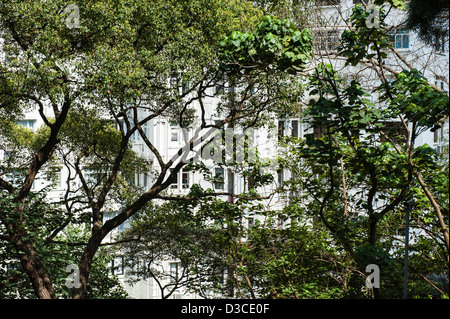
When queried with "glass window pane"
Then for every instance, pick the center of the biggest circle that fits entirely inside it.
(219, 175)
(405, 43)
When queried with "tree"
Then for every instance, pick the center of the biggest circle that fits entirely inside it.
(174, 246)
(287, 257)
(349, 183)
(56, 254)
(430, 20)
(357, 169)
(113, 62)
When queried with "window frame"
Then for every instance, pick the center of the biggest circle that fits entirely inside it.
(219, 185)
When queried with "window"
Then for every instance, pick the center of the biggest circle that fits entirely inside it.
(59, 183)
(174, 271)
(138, 179)
(280, 176)
(219, 178)
(30, 124)
(288, 127)
(133, 136)
(184, 179)
(145, 180)
(327, 2)
(174, 181)
(110, 215)
(438, 135)
(396, 131)
(318, 131)
(442, 149)
(174, 135)
(146, 129)
(174, 131)
(142, 179)
(174, 80)
(326, 40)
(185, 87)
(441, 44)
(440, 83)
(230, 185)
(280, 129)
(400, 39)
(117, 266)
(294, 125)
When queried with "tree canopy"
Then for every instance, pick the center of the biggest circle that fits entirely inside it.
(97, 75)
(430, 20)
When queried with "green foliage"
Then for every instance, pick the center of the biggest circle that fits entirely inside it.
(345, 198)
(356, 172)
(363, 41)
(118, 59)
(295, 261)
(275, 42)
(173, 232)
(429, 19)
(412, 96)
(56, 253)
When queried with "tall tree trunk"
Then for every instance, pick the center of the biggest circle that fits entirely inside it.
(39, 278)
(372, 230)
(86, 262)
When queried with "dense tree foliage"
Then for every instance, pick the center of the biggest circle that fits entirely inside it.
(430, 20)
(96, 74)
(350, 182)
(96, 83)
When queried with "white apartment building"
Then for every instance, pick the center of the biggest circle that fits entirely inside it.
(411, 51)
(169, 138)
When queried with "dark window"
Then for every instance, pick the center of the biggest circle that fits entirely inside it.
(174, 181)
(219, 177)
(396, 132)
(327, 2)
(294, 124)
(318, 131)
(326, 40)
(280, 129)
(185, 179)
(361, 1)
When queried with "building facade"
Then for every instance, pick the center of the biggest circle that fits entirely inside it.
(330, 21)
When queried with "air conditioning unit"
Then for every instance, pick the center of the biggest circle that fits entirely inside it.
(311, 99)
